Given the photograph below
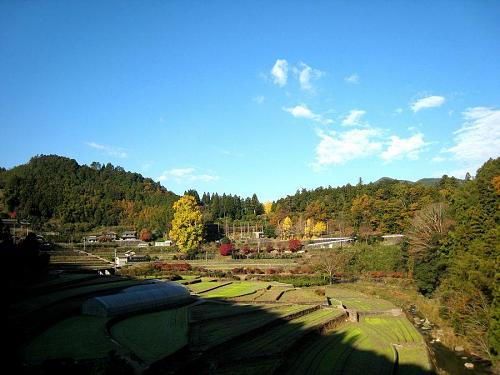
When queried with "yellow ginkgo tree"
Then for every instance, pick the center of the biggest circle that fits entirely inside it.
(286, 227)
(187, 225)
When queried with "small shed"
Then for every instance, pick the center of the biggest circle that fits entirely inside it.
(121, 260)
(139, 298)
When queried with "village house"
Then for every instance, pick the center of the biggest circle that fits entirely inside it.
(129, 235)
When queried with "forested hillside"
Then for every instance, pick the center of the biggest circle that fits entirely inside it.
(57, 190)
(385, 206)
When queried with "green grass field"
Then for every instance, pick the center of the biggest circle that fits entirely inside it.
(81, 337)
(155, 335)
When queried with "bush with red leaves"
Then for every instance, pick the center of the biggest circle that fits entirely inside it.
(226, 249)
(246, 249)
(162, 266)
(294, 245)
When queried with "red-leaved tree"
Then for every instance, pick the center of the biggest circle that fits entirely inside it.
(226, 249)
(145, 235)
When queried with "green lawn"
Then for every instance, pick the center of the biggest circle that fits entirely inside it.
(155, 335)
(81, 337)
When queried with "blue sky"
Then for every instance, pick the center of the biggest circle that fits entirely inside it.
(258, 96)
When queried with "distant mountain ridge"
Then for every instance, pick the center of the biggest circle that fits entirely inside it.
(429, 181)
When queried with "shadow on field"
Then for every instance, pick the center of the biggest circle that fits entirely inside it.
(226, 341)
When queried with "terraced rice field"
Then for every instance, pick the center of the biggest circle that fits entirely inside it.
(356, 300)
(377, 345)
(81, 337)
(278, 339)
(155, 335)
(302, 296)
(209, 310)
(272, 294)
(208, 334)
(206, 285)
(44, 300)
(236, 289)
(265, 335)
(72, 259)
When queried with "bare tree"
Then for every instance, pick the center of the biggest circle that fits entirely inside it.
(428, 226)
(332, 261)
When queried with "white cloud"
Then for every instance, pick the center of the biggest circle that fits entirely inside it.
(353, 117)
(478, 139)
(398, 111)
(280, 72)
(404, 148)
(185, 174)
(427, 102)
(302, 111)
(352, 79)
(438, 159)
(337, 148)
(109, 150)
(306, 74)
(259, 99)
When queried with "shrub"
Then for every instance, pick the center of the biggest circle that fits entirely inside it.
(162, 266)
(294, 245)
(246, 249)
(226, 249)
(145, 235)
(269, 248)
